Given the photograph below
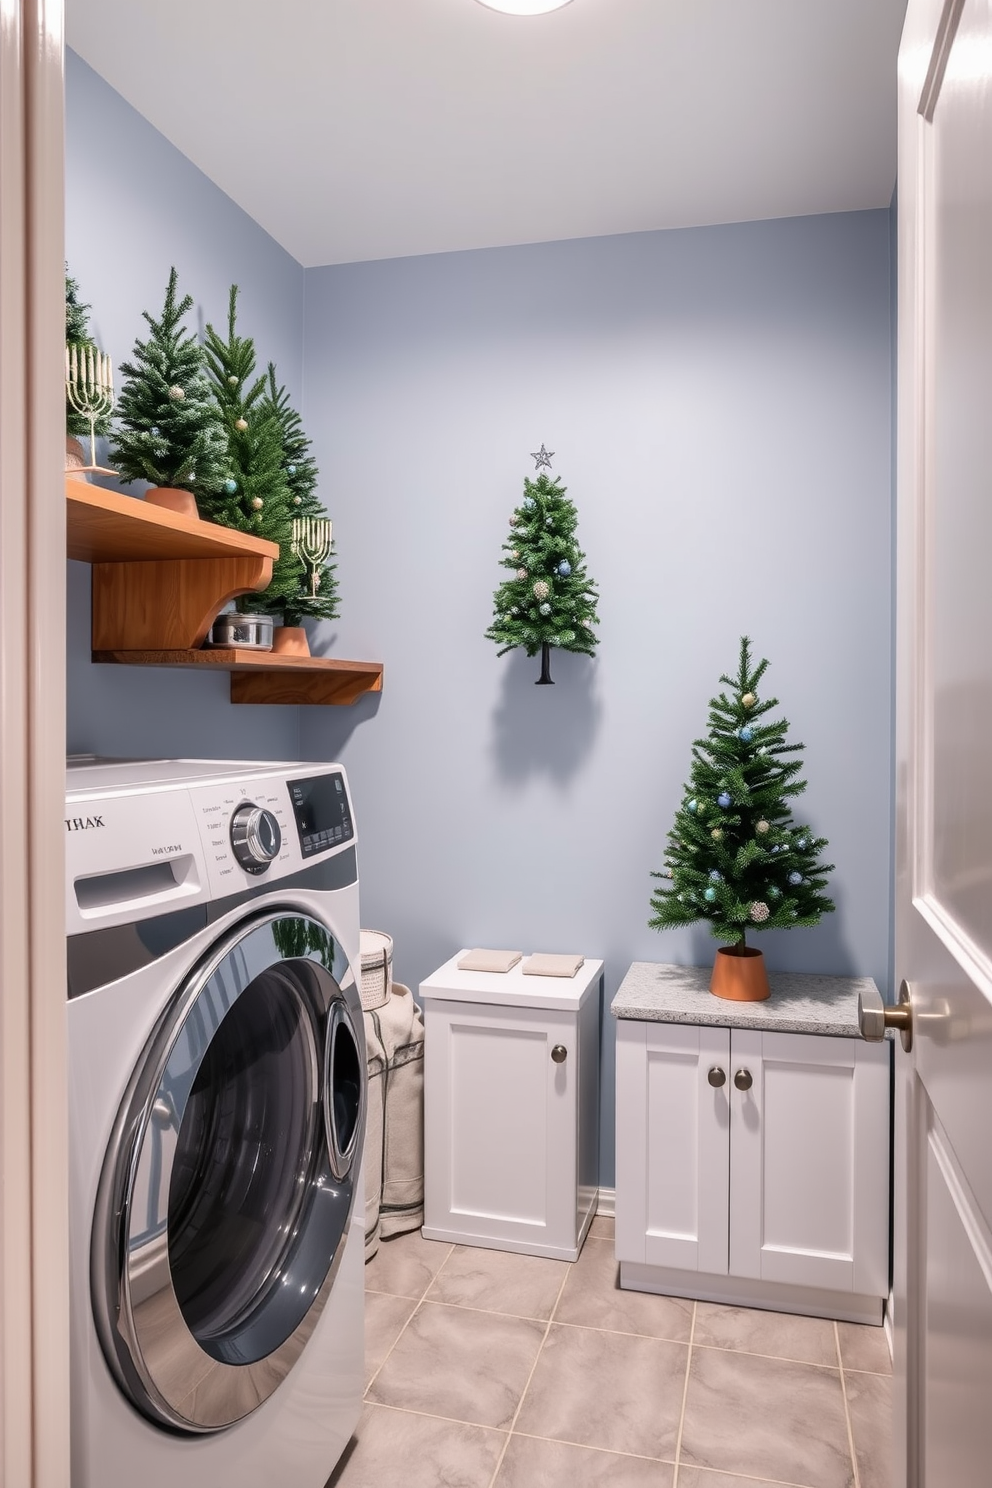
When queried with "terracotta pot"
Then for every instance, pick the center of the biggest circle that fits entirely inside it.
(739, 975)
(182, 502)
(75, 457)
(290, 640)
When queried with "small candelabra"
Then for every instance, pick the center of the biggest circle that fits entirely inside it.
(311, 543)
(89, 387)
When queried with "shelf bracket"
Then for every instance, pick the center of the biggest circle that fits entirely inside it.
(168, 604)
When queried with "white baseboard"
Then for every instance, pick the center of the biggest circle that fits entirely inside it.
(607, 1202)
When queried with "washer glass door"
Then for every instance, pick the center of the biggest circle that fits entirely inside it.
(230, 1181)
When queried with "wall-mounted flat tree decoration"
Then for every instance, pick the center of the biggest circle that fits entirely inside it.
(549, 599)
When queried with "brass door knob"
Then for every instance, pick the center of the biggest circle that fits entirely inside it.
(743, 1079)
(874, 1018)
(717, 1077)
(559, 1053)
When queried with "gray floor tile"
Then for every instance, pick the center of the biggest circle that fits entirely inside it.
(385, 1318)
(701, 1477)
(532, 1463)
(864, 1348)
(606, 1390)
(499, 1281)
(766, 1418)
(593, 1299)
(406, 1266)
(779, 1334)
(391, 1448)
(869, 1400)
(471, 1366)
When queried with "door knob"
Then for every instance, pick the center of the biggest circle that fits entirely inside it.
(743, 1079)
(559, 1053)
(874, 1018)
(717, 1077)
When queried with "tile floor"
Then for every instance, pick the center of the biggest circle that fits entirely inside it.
(492, 1370)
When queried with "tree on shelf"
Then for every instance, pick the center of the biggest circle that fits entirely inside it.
(735, 857)
(167, 429)
(318, 600)
(254, 496)
(550, 599)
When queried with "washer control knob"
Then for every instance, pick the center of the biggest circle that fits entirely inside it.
(255, 837)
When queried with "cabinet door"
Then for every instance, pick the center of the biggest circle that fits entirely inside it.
(672, 1146)
(809, 1161)
(499, 1123)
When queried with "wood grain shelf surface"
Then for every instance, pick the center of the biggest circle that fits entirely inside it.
(106, 527)
(267, 676)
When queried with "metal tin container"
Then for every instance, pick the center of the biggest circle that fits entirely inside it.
(248, 632)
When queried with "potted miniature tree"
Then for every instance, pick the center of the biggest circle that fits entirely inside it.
(550, 599)
(735, 856)
(167, 428)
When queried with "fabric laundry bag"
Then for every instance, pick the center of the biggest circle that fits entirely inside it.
(394, 1134)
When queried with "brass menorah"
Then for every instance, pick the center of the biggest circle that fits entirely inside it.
(311, 543)
(89, 387)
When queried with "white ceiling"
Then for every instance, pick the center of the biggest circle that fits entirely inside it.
(359, 129)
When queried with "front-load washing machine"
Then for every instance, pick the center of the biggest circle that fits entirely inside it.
(217, 1108)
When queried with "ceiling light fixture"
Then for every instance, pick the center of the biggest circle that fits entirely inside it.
(524, 7)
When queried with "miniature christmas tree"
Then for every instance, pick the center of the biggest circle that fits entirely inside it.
(316, 593)
(77, 333)
(254, 496)
(167, 429)
(735, 857)
(550, 600)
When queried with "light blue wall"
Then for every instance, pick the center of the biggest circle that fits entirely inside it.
(718, 401)
(134, 207)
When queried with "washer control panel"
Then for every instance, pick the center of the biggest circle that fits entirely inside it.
(322, 811)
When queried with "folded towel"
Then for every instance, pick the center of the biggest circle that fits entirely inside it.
(489, 960)
(544, 965)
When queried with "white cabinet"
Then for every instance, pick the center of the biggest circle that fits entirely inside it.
(753, 1166)
(511, 1108)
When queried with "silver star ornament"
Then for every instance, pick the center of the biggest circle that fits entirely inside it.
(542, 457)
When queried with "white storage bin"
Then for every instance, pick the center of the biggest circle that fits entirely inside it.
(511, 1108)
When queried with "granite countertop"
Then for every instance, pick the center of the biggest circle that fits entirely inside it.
(656, 993)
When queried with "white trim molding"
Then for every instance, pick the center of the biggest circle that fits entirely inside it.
(34, 1303)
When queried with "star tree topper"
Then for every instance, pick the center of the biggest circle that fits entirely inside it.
(542, 457)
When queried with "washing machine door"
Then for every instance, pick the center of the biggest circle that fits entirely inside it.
(229, 1183)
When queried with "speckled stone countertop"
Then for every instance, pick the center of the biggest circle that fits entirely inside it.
(655, 993)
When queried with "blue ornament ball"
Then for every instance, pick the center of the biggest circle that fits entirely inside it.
(693, 805)
(564, 568)
(795, 878)
(710, 895)
(715, 876)
(529, 503)
(290, 469)
(745, 734)
(723, 800)
(801, 843)
(545, 609)
(154, 433)
(230, 486)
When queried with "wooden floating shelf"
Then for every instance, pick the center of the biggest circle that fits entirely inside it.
(266, 676)
(161, 579)
(106, 527)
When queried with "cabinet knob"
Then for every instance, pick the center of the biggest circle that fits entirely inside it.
(717, 1077)
(743, 1080)
(559, 1053)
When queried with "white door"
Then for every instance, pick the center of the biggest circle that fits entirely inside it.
(809, 1169)
(943, 1216)
(673, 1145)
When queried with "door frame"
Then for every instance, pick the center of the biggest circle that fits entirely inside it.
(34, 1293)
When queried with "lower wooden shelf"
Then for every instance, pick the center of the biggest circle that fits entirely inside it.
(267, 677)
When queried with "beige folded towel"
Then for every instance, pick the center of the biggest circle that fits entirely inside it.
(489, 960)
(544, 965)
